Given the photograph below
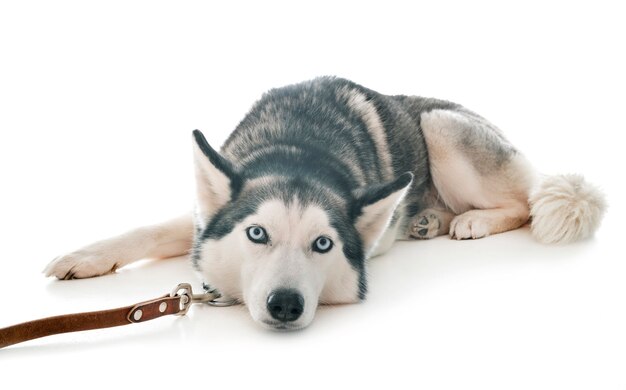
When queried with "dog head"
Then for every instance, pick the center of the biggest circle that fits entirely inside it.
(283, 244)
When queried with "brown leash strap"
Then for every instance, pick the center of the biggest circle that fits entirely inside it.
(177, 303)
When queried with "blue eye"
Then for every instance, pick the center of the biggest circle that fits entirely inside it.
(257, 234)
(322, 244)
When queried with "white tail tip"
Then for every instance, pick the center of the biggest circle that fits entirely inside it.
(565, 208)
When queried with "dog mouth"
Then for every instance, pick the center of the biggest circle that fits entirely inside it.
(281, 326)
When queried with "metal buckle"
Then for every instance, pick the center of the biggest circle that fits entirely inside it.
(216, 303)
(188, 298)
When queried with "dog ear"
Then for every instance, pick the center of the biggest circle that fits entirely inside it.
(215, 178)
(374, 207)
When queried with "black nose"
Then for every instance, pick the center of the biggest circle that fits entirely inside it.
(285, 304)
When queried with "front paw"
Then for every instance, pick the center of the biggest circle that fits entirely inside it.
(81, 264)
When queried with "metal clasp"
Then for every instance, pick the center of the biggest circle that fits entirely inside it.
(188, 298)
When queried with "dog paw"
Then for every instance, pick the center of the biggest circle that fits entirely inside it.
(81, 264)
(425, 226)
(465, 227)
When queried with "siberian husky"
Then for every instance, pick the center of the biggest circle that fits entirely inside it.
(320, 176)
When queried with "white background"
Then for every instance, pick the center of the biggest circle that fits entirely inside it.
(97, 103)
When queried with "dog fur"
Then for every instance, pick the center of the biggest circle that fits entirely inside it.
(330, 164)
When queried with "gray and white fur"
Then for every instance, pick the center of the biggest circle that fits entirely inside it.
(322, 175)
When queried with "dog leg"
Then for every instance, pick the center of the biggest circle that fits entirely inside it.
(481, 223)
(477, 174)
(168, 239)
(430, 223)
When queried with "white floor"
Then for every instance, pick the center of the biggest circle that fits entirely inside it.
(503, 312)
(98, 104)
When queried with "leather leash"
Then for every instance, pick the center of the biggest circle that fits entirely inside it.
(177, 302)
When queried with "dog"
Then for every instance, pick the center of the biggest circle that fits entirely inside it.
(322, 175)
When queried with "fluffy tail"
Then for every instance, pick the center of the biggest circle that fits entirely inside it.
(565, 208)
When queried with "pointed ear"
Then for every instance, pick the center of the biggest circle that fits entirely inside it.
(374, 207)
(215, 178)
